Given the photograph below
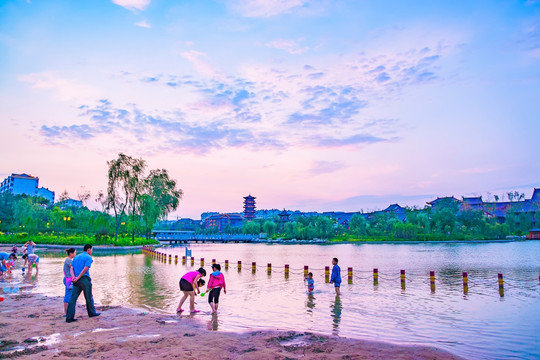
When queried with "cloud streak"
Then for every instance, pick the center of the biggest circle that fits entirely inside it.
(133, 5)
(265, 8)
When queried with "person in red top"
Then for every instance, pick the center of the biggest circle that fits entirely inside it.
(215, 283)
(189, 284)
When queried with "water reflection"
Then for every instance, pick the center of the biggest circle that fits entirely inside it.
(213, 323)
(336, 310)
(310, 303)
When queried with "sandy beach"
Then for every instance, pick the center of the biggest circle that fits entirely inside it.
(33, 327)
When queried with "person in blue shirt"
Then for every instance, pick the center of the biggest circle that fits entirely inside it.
(310, 283)
(336, 275)
(81, 269)
(4, 258)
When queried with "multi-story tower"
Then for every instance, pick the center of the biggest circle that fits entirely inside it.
(249, 207)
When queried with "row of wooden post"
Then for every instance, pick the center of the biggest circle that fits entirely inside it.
(163, 257)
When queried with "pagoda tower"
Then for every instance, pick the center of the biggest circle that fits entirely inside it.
(249, 207)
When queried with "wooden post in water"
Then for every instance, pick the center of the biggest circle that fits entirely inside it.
(239, 265)
(432, 281)
(192, 261)
(465, 283)
(226, 264)
(375, 277)
(213, 261)
(327, 274)
(183, 260)
(269, 268)
(349, 275)
(501, 285)
(306, 270)
(202, 262)
(176, 259)
(253, 266)
(286, 270)
(170, 258)
(402, 276)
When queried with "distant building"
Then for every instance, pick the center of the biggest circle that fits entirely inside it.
(394, 209)
(472, 203)
(497, 209)
(45, 193)
(207, 214)
(221, 221)
(267, 214)
(284, 216)
(249, 207)
(69, 203)
(442, 200)
(24, 184)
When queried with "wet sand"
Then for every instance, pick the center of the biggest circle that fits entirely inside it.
(33, 327)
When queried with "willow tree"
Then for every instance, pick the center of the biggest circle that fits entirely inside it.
(160, 197)
(124, 187)
(145, 199)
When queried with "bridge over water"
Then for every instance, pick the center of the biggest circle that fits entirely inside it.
(178, 237)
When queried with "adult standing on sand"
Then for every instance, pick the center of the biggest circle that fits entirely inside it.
(189, 285)
(82, 283)
(69, 275)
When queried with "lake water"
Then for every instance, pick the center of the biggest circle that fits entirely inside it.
(478, 325)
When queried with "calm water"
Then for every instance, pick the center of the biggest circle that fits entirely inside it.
(478, 325)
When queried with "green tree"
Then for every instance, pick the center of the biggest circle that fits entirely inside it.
(124, 187)
(269, 227)
(161, 196)
(358, 225)
(324, 227)
(251, 227)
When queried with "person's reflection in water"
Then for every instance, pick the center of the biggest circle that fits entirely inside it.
(336, 315)
(310, 303)
(213, 324)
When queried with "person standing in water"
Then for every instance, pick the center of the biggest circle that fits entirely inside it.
(215, 283)
(189, 284)
(336, 275)
(310, 283)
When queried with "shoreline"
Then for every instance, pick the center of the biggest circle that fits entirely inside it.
(121, 333)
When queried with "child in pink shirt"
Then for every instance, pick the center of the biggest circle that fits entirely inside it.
(215, 283)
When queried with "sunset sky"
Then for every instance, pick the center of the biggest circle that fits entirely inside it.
(342, 105)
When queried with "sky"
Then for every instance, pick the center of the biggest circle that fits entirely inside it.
(329, 105)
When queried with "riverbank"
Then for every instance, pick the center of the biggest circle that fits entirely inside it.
(34, 328)
(79, 248)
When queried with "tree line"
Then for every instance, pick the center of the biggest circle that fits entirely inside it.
(446, 222)
(133, 203)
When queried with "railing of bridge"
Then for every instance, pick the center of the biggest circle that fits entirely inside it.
(205, 237)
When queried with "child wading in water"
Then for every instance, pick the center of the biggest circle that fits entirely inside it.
(310, 283)
(336, 275)
(215, 283)
(189, 284)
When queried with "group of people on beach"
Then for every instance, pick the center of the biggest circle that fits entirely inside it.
(76, 279)
(7, 260)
